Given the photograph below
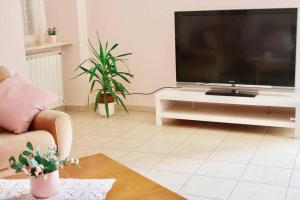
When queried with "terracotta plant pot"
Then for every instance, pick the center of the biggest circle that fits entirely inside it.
(111, 106)
(45, 187)
(52, 38)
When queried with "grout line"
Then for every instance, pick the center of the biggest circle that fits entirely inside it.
(134, 149)
(146, 119)
(248, 163)
(206, 197)
(293, 168)
(204, 160)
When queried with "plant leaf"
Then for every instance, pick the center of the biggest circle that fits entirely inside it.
(23, 160)
(113, 47)
(12, 160)
(29, 146)
(27, 153)
(123, 55)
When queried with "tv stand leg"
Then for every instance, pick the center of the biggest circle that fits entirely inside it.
(159, 109)
(297, 122)
(159, 121)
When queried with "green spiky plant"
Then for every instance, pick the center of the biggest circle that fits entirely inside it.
(51, 31)
(105, 75)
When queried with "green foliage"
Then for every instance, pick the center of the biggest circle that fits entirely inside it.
(52, 31)
(104, 74)
(33, 163)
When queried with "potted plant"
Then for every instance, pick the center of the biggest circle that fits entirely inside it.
(52, 35)
(42, 169)
(105, 77)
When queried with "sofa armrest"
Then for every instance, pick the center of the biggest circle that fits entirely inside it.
(59, 125)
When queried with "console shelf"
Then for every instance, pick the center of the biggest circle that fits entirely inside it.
(276, 110)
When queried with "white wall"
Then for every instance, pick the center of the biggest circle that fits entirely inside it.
(12, 52)
(146, 27)
(67, 16)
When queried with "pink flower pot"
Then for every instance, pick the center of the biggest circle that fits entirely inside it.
(45, 187)
(52, 38)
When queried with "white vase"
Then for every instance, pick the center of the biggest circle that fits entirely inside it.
(52, 38)
(111, 109)
(45, 187)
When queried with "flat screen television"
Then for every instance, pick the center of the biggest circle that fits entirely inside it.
(251, 47)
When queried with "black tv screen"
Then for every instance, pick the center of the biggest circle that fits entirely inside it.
(253, 47)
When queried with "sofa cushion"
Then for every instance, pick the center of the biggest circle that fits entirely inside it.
(13, 145)
(20, 102)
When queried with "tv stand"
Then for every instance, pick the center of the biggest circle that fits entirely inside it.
(232, 92)
(266, 109)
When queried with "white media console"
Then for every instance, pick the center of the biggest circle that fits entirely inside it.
(266, 109)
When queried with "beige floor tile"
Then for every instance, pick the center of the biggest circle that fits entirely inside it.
(206, 139)
(280, 139)
(242, 140)
(157, 147)
(268, 175)
(94, 141)
(293, 194)
(113, 154)
(144, 160)
(121, 123)
(212, 131)
(83, 129)
(194, 197)
(149, 125)
(134, 116)
(140, 170)
(176, 149)
(278, 147)
(295, 179)
(256, 191)
(108, 132)
(241, 155)
(179, 164)
(221, 169)
(193, 151)
(176, 137)
(297, 164)
(124, 144)
(81, 151)
(171, 180)
(208, 187)
(139, 134)
(273, 159)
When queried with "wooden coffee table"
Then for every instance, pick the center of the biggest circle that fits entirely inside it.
(128, 185)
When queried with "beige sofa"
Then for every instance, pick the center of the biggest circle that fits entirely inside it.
(47, 128)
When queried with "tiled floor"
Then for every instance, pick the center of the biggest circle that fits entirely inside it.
(204, 161)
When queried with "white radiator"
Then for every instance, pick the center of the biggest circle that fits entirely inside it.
(44, 70)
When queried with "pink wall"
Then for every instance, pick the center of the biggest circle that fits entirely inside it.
(146, 27)
(63, 15)
(12, 52)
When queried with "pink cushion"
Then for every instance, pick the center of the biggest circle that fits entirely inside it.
(20, 102)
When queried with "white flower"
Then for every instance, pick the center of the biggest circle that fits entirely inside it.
(38, 170)
(25, 170)
(77, 161)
